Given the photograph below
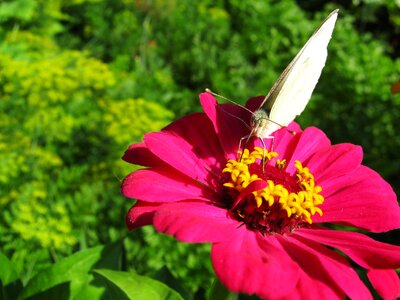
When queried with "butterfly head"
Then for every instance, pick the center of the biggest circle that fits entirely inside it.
(259, 123)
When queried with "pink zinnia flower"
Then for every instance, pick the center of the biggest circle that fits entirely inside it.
(269, 228)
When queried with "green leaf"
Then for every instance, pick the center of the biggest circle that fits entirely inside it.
(10, 284)
(71, 276)
(7, 271)
(21, 10)
(60, 291)
(219, 292)
(165, 276)
(127, 285)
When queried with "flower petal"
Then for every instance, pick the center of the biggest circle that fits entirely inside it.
(191, 160)
(138, 154)
(386, 282)
(366, 201)
(229, 122)
(309, 288)
(232, 123)
(254, 103)
(191, 221)
(252, 187)
(140, 214)
(164, 185)
(365, 251)
(310, 141)
(334, 161)
(199, 132)
(325, 265)
(243, 265)
(285, 142)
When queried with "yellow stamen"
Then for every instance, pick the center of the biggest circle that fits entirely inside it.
(280, 164)
(302, 204)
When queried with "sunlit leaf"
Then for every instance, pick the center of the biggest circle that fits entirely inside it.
(71, 275)
(127, 285)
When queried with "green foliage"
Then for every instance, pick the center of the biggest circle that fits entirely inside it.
(74, 270)
(60, 148)
(93, 273)
(81, 80)
(47, 96)
(126, 285)
(184, 260)
(10, 285)
(357, 78)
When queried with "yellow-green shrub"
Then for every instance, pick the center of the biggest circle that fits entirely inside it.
(60, 149)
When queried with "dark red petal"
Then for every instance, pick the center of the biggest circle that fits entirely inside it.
(325, 265)
(386, 283)
(365, 251)
(254, 103)
(191, 221)
(252, 187)
(229, 122)
(243, 265)
(140, 214)
(366, 201)
(164, 185)
(138, 154)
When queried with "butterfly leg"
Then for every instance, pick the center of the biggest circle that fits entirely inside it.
(272, 143)
(264, 156)
(246, 138)
(264, 159)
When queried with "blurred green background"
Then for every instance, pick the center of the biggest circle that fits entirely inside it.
(80, 80)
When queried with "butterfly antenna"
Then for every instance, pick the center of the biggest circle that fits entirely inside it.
(228, 113)
(222, 97)
(245, 108)
(232, 115)
(282, 126)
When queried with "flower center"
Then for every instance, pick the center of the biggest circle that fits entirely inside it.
(267, 198)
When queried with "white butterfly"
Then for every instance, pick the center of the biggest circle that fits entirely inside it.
(292, 91)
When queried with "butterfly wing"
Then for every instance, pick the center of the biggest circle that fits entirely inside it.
(292, 91)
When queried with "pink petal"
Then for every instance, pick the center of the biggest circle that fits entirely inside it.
(285, 142)
(191, 160)
(243, 265)
(295, 127)
(386, 282)
(164, 185)
(199, 132)
(365, 251)
(309, 288)
(138, 154)
(366, 201)
(323, 264)
(311, 140)
(191, 221)
(140, 214)
(335, 161)
(229, 129)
